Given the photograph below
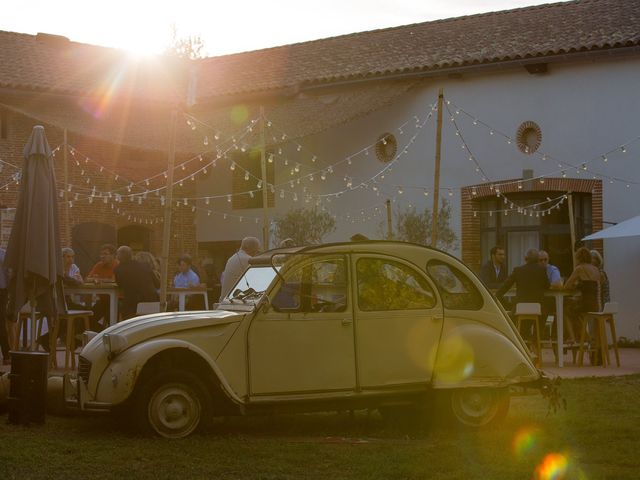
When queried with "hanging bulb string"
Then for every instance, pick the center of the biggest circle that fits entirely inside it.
(562, 164)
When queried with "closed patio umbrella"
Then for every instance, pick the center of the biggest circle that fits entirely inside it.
(34, 253)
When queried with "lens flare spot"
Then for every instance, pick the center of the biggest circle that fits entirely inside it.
(553, 467)
(239, 114)
(456, 360)
(420, 340)
(525, 440)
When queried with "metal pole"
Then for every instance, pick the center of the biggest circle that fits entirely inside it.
(436, 174)
(389, 225)
(168, 205)
(65, 169)
(572, 230)
(265, 196)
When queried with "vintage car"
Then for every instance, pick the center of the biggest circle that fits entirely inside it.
(373, 324)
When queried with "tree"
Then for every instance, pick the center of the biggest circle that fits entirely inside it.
(184, 47)
(415, 227)
(305, 226)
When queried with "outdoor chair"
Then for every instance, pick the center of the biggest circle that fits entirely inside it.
(531, 312)
(24, 317)
(145, 308)
(70, 342)
(600, 342)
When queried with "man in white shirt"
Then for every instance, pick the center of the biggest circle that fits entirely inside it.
(238, 263)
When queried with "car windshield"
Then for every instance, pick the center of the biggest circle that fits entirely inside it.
(252, 284)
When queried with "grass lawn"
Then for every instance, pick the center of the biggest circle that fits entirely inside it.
(597, 437)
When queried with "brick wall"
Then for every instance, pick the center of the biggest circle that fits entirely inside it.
(100, 162)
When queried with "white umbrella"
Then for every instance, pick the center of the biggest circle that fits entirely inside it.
(628, 228)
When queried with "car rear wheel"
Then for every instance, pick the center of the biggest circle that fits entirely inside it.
(478, 407)
(172, 404)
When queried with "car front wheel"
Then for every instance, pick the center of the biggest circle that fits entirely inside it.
(172, 404)
(478, 407)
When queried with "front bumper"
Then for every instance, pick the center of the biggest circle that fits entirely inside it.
(76, 396)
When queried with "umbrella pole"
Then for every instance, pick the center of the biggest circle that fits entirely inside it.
(166, 228)
(32, 305)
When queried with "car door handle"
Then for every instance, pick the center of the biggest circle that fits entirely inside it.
(347, 321)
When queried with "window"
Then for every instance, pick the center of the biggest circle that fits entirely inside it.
(246, 177)
(458, 292)
(320, 285)
(387, 285)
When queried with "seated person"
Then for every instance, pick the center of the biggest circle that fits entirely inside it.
(531, 282)
(187, 278)
(137, 281)
(102, 272)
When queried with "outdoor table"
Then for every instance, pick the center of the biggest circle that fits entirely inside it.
(558, 296)
(182, 294)
(110, 289)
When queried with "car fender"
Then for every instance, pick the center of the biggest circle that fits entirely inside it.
(476, 354)
(119, 379)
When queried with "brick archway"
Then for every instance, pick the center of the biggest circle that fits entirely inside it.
(473, 195)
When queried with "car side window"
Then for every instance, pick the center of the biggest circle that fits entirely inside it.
(317, 286)
(457, 290)
(385, 285)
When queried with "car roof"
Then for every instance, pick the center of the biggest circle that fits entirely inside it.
(368, 246)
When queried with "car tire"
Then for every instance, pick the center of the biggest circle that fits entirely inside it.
(478, 407)
(172, 404)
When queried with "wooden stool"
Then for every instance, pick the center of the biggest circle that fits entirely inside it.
(530, 311)
(70, 318)
(601, 319)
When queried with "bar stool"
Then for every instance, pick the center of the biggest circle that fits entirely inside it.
(531, 311)
(69, 349)
(601, 319)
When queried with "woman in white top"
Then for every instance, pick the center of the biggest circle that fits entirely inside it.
(70, 269)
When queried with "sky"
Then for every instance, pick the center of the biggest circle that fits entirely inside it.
(146, 27)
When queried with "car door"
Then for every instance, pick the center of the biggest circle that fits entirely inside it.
(304, 342)
(399, 319)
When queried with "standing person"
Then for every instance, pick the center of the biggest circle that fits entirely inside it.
(4, 328)
(238, 263)
(494, 273)
(103, 272)
(531, 282)
(152, 261)
(136, 280)
(605, 294)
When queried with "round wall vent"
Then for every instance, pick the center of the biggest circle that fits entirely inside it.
(528, 137)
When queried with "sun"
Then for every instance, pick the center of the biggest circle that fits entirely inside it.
(140, 45)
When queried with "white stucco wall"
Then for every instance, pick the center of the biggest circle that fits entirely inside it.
(583, 110)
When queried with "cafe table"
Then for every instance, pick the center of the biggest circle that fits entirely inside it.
(103, 288)
(182, 294)
(558, 296)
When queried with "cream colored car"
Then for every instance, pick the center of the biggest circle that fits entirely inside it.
(372, 324)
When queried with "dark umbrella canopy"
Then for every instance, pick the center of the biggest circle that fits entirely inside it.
(33, 253)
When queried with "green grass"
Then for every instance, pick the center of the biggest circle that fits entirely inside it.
(597, 435)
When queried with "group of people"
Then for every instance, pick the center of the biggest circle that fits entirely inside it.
(537, 275)
(137, 276)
